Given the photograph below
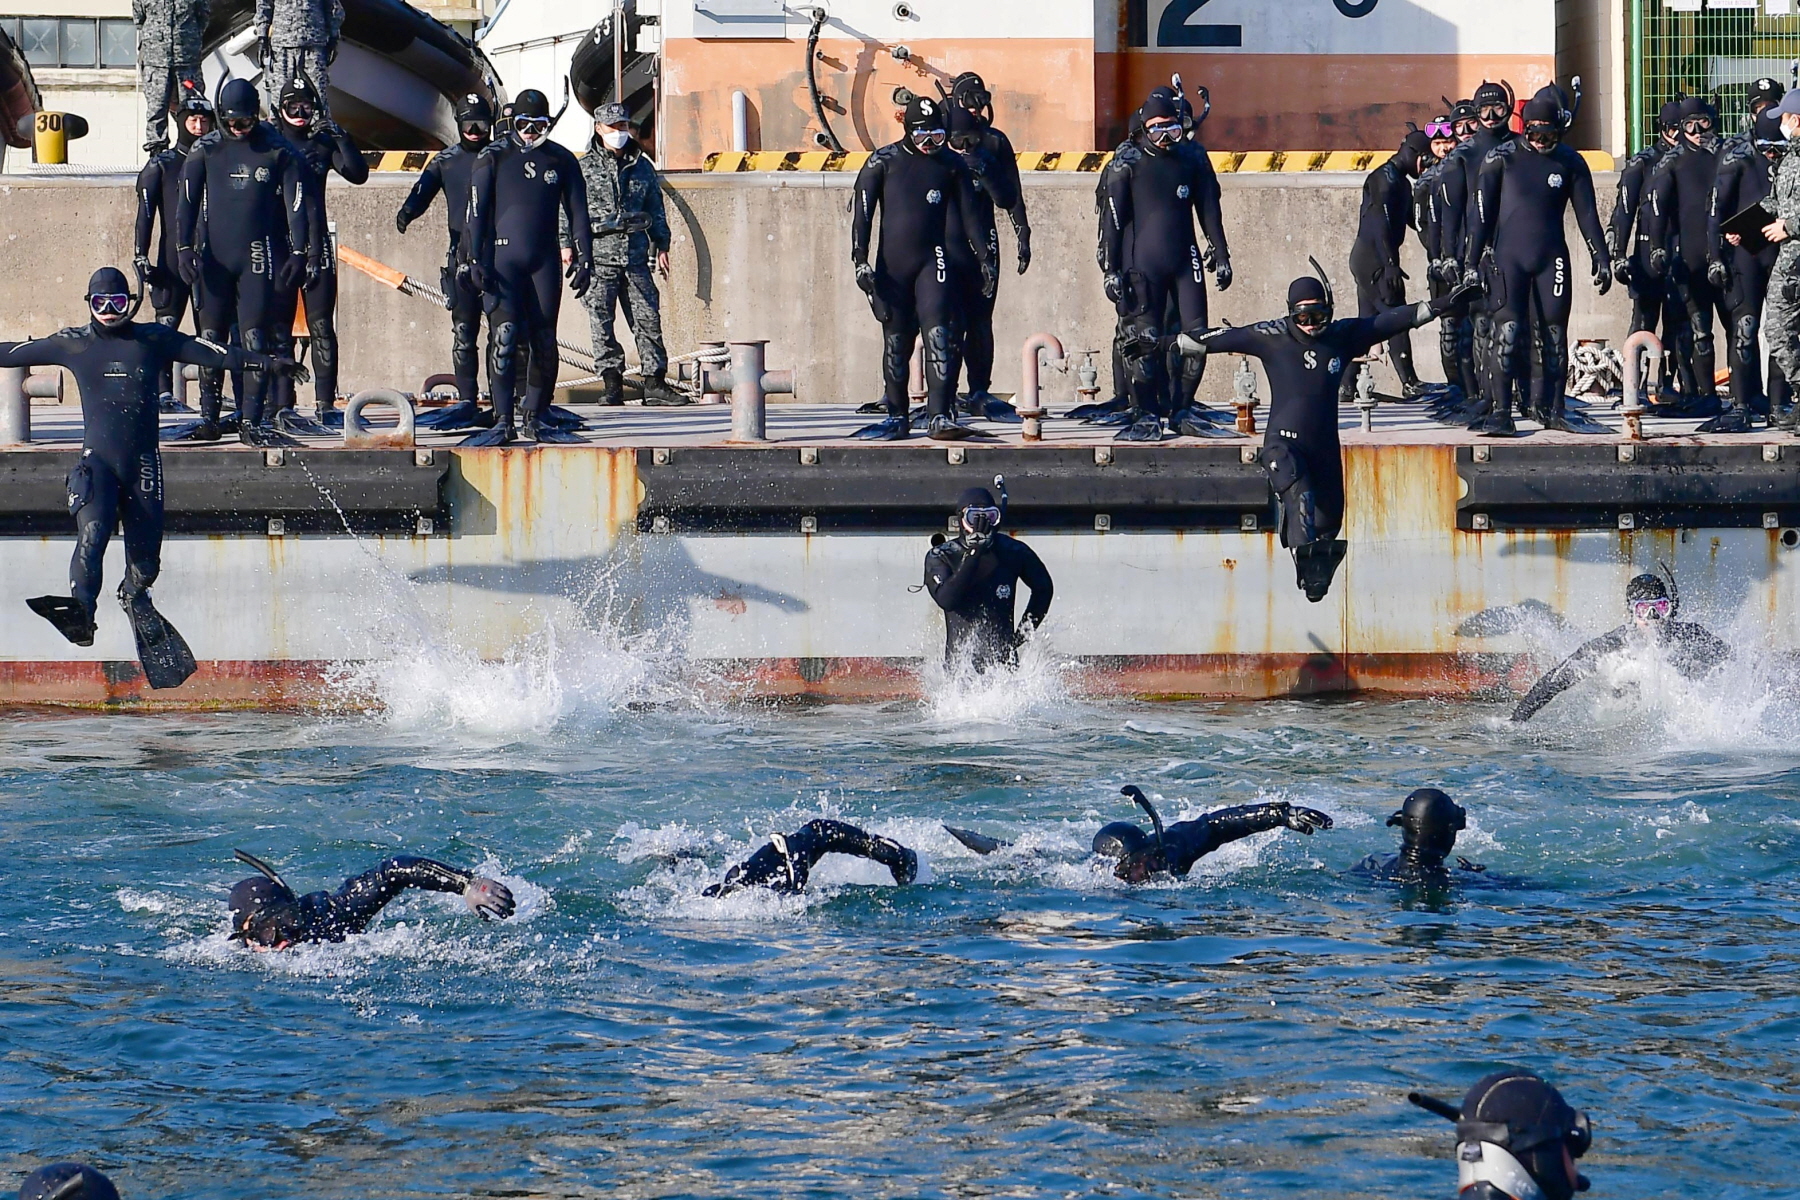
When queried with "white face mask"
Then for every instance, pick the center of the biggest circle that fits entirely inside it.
(615, 139)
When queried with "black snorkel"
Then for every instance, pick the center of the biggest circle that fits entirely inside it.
(1142, 801)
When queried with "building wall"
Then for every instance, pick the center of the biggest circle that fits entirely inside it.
(107, 97)
(1590, 42)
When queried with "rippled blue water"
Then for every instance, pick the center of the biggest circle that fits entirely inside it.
(1019, 1026)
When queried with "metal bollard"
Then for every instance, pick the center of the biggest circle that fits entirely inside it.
(749, 385)
(15, 407)
(1243, 387)
(1365, 396)
(359, 436)
(1031, 408)
(1643, 340)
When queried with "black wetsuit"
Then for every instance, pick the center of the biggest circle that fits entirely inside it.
(1453, 331)
(1387, 213)
(1417, 870)
(449, 171)
(785, 863)
(1744, 179)
(1153, 198)
(333, 916)
(1121, 376)
(915, 284)
(995, 184)
(1186, 842)
(517, 196)
(1693, 650)
(1520, 202)
(1652, 301)
(977, 588)
(325, 150)
(243, 208)
(1300, 443)
(119, 480)
(1678, 204)
(159, 195)
(1459, 217)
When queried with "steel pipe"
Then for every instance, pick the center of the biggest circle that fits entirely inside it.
(750, 386)
(1647, 342)
(740, 121)
(15, 408)
(1031, 408)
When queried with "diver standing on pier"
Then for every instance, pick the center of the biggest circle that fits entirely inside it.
(1305, 355)
(1650, 299)
(242, 240)
(1746, 172)
(910, 285)
(449, 172)
(974, 577)
(521, 187)
(117, 364)
(323, 147)
(1493, 103)
(1677, 210)
(159, 197)
(1387, 213)
(995, 165)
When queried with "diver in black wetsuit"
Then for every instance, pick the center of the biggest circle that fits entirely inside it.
(996, 185)
(518, 186)
(911, 285)
(1305, 355)
(323, 148)
(1153, 199)
(1516, 1139)
(975, 577)
(159, 195)
(267, 915)
(1429, 821)
(1124, 153)
(1493, 113)
(1174, 849)
(1677, 207)
(1651, 300)
(1387, 213)
(783, 865)
(1442, 134)
(1525, 187)
(449, 172)
(243, 239)
(1693, 650)
(1745, 177)
(117, 364)
(999, 177)
(67, 1181)
(1444, 269)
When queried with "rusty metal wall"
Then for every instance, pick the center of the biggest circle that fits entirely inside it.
(547, 539)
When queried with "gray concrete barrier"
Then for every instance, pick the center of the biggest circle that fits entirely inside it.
(756, 256)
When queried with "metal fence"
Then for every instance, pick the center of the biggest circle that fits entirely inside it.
(1697, 47)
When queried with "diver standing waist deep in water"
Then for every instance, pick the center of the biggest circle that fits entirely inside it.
(974, 577)
(118, 366)
(266, 914)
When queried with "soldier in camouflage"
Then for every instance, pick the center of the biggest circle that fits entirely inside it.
(168, 48)
(1783, 311)
(298, 37)
(625, 206)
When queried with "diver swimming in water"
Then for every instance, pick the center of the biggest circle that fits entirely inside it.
(784, 864)
(267, 915)
(1429, 821)
(1516, 1138)
(1173, 849)
(1693, 650)
(67, 1181)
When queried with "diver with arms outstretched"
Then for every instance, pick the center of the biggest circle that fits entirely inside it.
(266, 914)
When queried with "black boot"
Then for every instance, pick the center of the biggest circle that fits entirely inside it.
(612, 387)
(658, 393)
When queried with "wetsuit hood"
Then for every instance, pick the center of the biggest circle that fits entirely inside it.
(108, 281)
(1429, 821)
(264, 911)
(193, 102)
(1120, 839)
(1513, 1120)
(969, 93)
(1646, 587)
(965, 129)
(922, 113)
(1160, 105)
(237, 101)
(1309, 292)
(1669, 116)
(531, 103)
(1415, 149)
(67, 1181)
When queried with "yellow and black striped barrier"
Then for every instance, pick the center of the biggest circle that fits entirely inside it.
(1225, 162)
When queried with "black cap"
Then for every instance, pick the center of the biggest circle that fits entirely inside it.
(531, 103)
(237, 100)
(1161, 106)
(1490, 93)
(1766, 90)
(1462, 110)
(1696, 106)
(1543, 110)
(299, 88)
(1308, 289)
(473, 107)
(108, 281)
(67, 1181)
(975, 497)
(924, 112)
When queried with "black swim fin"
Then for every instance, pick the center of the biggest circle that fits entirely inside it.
(1316, 563)
(162, 651)
(65, 612)
(894, 429)
(872, 407)
(496, 434)
(1087, 412)
(545, 434)
(980, 843)
(561, 418)
(460, 415)
(290, 422)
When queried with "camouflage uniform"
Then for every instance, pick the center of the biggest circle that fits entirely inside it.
(168, 50)
(302, 38)
(625, 206)
(1784, 283)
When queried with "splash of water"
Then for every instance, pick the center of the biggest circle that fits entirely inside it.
(1040, 686)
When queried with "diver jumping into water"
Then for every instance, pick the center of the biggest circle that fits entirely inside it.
(1429, 821)
(974, 577)
(1173, 849)
(784, 864)
(267, 915)
(1692, 649)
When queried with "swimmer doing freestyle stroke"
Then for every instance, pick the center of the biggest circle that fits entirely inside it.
(267, 915)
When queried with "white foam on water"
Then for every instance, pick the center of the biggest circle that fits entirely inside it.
(959, 696)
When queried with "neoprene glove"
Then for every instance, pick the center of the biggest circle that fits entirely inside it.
(489, 899)
(1024, 232)
(1622, 270)
(277, 365)
(990, 279)
(1305, 820)
(865, 278)
(1716, 273)
(187, 265)
(1222, 275)
(1470, 287)
(478, 277)
(1657, 262)
(291, 274)
(581, 274)
(1603, 277)
(401, 220)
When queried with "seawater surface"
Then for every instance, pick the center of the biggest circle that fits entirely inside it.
(1020, 1025)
